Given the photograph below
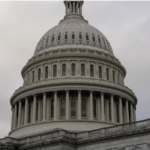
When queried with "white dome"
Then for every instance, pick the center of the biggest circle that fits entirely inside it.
(73, 25)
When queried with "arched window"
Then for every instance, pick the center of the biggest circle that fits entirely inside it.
(73, 69)
(47, 40)
(87, 37)
(46, 72)
(113, 75)
(64, 70)
(82, 70)
(83, 107)
(80, 36)
(36, 117)
(63, 108)
(39, 74)
(29, 113)
(59, 36)
(52, 108)
(91, 70)
(94, 108)
(73, 107)
(100, 72)
(73, 36)
(107, 73)
(54, 71)
(53, 38)
(93, 38)
(33, 76)
(99, 40)
(66, 36)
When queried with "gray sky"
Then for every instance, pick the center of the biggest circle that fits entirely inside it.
(125, 24)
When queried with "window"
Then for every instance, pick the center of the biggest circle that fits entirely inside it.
(36, 117)
(46, 72)
(93, 38)
(104, 42)
(83, 107)
(80, 36)
(29, 114)
(118, 77)
(53, 38)
(91, 70)
(63, 108)
(82, 70)
(39, 74)
(73, 69)
(99, 40)
(73, 107)
(66, 36)
(107, 73)
(87, 37)
(94, 108)
(100, 72)
(52, 108)
(73, 36)
(113, 75)
(47, 40)
(64, 70)
(117, 112)
(59, 36)
(33, 76)
(54, 71)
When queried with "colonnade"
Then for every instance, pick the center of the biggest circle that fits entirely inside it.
(79, 105)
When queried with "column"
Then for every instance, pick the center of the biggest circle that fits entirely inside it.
(112, 108)
(120, 111)
(12, 118)
(127, 112)
(91, 105)
(134, 114)
(55, 105)
(79, 104)
(102, 107)
(77, 7)
(70, 9)
(19, 113)
(131, 112)
(34, 109)
(44, 106)
(15, 116)
(66, 8)
(73, 6)
(107, 110)
(67, 105)
(26, 111)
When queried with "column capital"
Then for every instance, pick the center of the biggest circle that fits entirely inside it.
(67, 90)
(79, 91)
(44, 93)
(91, 91)
(102, 93)
(55, 91)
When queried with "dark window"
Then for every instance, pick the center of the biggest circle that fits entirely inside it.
(113, 75)
(87, 37)
(46, 72)
(63, 69)
(100, 72)
(59, 37)
(118, 77)
(91, 70)
(80, 36)
(107, 73)
(29, 116)
(73, 69)
(94, 108)
(33, 76)
(66, 36)
(63, 108)
(47, 40)
(52, 108)
(73, 36)
(73, 107)
(82, 70)
(93, 39)
(99, 40)
(83, 107)
(54, 71)
(53, 39)
(39, 74)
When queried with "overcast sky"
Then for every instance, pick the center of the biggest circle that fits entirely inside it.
(125, 24)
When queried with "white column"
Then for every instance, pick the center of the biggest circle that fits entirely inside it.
(107, 110)
(73, 6)
(112, 109)
(134, 114)
(102, 107)
(120, 110)
(67, 105)
(127, 112)
(66, 8)
(79, 104)
(15, 116)
(19, 113)
(44, 106)
(12, 118)
(34, 108)
(70, 9)
(91, 105)
(26, 111)
(131, 112)
(77, 7)
(55, 105)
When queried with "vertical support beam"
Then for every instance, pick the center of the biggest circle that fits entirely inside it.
(44, 106)
(19, 113)
(91, 105)
(127, 112)
(79, 104)
(66, 4)
(134, 113)
(131, 112)
(102, 107)
(77, 7)
(70, 7)
(55, 105)
(120, 110)
(12, 118)
(112, 108)
(73, 6)
(34, 109)
(26, 111)
(15, 116)
(67, 104)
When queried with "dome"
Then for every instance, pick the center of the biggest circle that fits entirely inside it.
(73, 32)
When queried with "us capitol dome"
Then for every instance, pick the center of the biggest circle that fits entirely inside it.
(72, 82)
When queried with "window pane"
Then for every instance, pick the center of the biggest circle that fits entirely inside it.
(82, 70)
(87, 37)
(93, 39)
(83, 107)
(33, 76)
(54, 71)
(66, 36)
(73, 69)
(64, 69)
(52, 108)
(63, 108)
(100, 72)
(73, 107)
(59, 38)
(39, 74)
(80, 36)
(46, 72)
(113, 75)
(99, 40)
(73, 36)
(107, 73)
(53, 39)
(47, 40)
(91, 70)
(94, 108)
